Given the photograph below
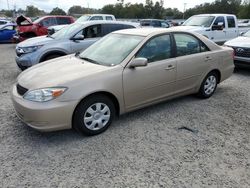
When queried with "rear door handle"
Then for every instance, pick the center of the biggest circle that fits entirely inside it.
(170, 67)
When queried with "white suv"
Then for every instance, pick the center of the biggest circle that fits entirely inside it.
(84, 18)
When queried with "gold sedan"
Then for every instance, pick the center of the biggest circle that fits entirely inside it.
(122, 72)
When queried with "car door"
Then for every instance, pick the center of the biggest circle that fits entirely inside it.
(145, 85)
(232, 31)
(91, 34)
(219, 33)
(193, 60)
(45, 23)
(7, 32)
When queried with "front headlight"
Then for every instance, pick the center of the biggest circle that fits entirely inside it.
(45, 94)
(30, 49)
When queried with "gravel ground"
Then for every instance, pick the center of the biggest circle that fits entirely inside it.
(145, 148)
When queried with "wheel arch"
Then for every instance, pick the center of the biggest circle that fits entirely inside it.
(57, 52)
(217, 71)
(105, 93)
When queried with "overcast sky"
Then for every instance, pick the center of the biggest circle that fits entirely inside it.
(48, 5)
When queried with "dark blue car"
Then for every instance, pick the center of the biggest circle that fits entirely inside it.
(7, 32)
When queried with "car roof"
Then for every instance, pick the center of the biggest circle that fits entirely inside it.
(214, 15)
(88, 23)
(152, 20)
(147, 31)
(49, 16)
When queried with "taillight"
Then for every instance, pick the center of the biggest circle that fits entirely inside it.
(233, 54)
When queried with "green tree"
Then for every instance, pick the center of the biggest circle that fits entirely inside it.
(244, 10)
(57, 11)
(32, 11)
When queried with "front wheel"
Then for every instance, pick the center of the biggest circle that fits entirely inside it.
(208, 85)
(94, 115)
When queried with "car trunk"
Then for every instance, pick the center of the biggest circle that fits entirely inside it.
(23, 21)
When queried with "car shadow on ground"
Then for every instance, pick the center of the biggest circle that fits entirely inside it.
(242, 71)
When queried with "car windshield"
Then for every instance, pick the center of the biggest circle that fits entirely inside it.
(247, 34)
(112, 49)
(67, 32)
(204, 21)
(83, 19)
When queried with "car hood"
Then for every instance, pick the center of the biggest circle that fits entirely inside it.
(190, 28)
(21, 19)
(59, 72)
(239, 42)
(57, 27)
(36, 41)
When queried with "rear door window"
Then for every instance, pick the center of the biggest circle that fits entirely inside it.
(187, 44)
(63, 21)
(96, 18)
(108, 17)
(231, 21)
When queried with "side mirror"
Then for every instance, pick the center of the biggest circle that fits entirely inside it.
(40, 24)
(220, 23)
(79, 37)
(242, 33)
(138, 62)
(217, 27)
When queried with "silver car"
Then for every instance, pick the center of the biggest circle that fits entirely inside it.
(71, 39)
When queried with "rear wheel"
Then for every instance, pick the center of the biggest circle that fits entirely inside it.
(208, 85)
(94, 115)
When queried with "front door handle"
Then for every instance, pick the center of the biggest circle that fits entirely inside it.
(208, 59)
(170, 67)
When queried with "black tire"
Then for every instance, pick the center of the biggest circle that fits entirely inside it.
(203, 92)
(22, 67)
(52, 56)
(81, 113)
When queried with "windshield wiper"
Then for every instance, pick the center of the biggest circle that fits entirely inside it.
(89, 60)
(50, 36)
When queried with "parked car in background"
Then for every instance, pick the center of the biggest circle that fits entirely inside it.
(216, 27)
(154, 23)
(241, 46)
(244, 23)
(28, 29)
(71, 39)
(122, 72)
(4, 22)
(7, 31)
(84, 18)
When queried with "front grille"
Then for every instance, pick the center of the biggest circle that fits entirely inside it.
(21, 90)
(242, 52)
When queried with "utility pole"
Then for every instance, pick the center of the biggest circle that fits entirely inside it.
(8, 5)
(184, 9)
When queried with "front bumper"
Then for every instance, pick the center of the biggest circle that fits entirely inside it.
(241, 61)
(48, 116)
